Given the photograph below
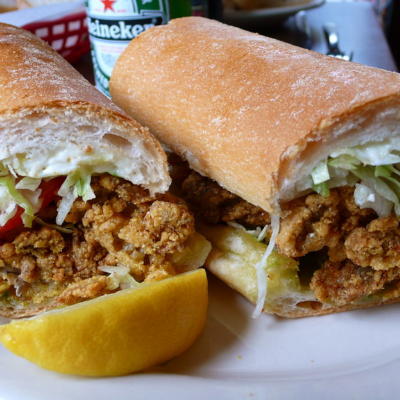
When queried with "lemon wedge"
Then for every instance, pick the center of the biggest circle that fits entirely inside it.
(115, 334)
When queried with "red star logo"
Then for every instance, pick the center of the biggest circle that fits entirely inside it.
(108, 4)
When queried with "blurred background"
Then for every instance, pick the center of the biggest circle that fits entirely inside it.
(276, 18)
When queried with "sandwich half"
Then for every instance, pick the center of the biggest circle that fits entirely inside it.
(84, 207)
(295, 160)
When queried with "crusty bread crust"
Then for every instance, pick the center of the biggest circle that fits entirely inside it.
(290, 305)
(252, 113)
(46, 105)
(22, 312)
(32, 74)
(37, 83)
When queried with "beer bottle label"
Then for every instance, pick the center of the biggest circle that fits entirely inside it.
(112, 24)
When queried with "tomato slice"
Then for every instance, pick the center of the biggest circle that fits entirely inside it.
(49, 192)
(14, 221)
(50, 189)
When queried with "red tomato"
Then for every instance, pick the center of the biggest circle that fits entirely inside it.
(49, 192)
(50, 189)
(13, 222)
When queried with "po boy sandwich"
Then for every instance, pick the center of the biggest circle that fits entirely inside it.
(83, 203)
(295, 160)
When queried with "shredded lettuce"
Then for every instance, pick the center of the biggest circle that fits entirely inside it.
(3, 170)
(258, 233)
(322, 188)
(372, 153)
(234, 255)
(63, 229)
(262, 277)
(119, 277)
(75, 185)
(320, 173)
(8, 209)
(28, 183)
(373, 168)
(345, 162)
(12, 197)
(73, 161)
(25, 193)
(84, 189)
(263, 265)
(263, 234)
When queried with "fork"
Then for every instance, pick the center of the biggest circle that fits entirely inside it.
(332, 40)
(303, 30)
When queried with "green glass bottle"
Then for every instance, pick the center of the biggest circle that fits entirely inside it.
(112, 24)
(200, 8)
(180, 8)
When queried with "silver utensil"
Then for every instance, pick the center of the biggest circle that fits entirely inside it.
(303, 30)
(332, 41)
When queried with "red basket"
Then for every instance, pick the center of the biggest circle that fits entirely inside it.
(68, 35)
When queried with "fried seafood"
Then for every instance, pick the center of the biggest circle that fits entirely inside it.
(361, 250)
(123, 225)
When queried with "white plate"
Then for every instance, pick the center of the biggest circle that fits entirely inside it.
(266, 16)
(354, 355)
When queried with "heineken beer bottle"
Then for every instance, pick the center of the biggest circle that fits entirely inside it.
(180, 8)
(112, 24)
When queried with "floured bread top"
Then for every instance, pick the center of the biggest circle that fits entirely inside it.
(254, 114)
(53, 122)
